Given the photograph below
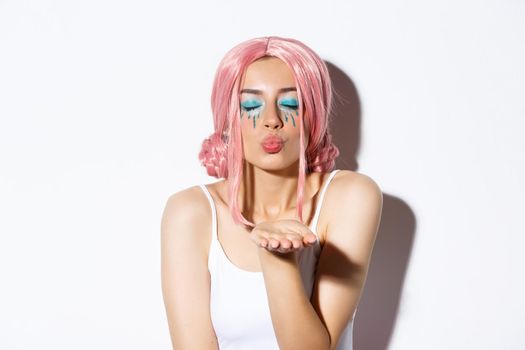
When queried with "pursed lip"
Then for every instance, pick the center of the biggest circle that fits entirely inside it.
(272, 140)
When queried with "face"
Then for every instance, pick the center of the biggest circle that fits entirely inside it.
(269, 106)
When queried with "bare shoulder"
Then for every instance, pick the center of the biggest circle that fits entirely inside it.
(356, 202)
(189, 195)
(352, 185)
(189, 209)
(185, 233)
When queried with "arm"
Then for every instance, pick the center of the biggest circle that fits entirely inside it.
(344, 260)
(295, 321)
(185, 277)
(341, 270)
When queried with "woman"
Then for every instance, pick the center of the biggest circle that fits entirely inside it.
(251, 261)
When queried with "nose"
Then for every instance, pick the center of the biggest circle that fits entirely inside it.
(272, 120)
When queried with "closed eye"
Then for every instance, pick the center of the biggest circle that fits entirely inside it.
(290, 106)
(246, 108)
(289, 103)
(250, 105)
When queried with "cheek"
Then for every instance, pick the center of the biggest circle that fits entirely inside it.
(247, 129)
(250, 119)
(248, 137)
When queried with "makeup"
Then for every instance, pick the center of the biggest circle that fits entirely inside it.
(288, 106)
(272, 148)
(272, 143)
(289, 103)
(252, 108)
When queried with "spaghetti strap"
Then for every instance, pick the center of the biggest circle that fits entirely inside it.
(313, 225)
(214, 240)
(213, 211)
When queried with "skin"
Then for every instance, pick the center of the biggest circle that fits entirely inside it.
(269, 105)
(348, 221)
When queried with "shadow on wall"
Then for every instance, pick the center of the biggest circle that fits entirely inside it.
(378, 307)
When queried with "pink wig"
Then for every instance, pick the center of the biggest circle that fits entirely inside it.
(221, 153)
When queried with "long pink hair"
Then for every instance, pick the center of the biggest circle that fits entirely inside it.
(221, 153)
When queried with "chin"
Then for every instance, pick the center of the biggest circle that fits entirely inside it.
(274, 164)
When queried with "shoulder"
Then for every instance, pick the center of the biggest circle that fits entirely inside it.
(355, 202)
(187, 195)
(352, 185)
(187, 216)
(186, 204)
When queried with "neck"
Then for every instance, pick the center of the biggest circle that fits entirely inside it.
(268, 194)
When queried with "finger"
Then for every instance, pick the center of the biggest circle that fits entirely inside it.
(310, 238)
(285, 243)
(297, 243)
(263, 242)
(259, 240)
(284, 250)
(273, 243)
(297, 240)
(276, 247)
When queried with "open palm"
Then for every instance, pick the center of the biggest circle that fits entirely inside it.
(282, 236)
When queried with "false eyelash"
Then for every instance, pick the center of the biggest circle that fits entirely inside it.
(290, 106)
(250, 108)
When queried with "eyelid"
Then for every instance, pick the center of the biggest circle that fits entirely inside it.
(289, 101)
(251, 103)
(293, 104)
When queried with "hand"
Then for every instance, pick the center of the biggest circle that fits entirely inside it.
(282, 236)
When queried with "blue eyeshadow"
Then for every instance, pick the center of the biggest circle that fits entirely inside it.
(251, 104)
(292, 102)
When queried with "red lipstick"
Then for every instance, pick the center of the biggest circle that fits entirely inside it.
(272, 144)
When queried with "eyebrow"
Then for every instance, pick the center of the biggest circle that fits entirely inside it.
(259, 92)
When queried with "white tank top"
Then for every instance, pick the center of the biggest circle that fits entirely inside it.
(239, 307)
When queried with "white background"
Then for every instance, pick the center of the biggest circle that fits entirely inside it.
(104, 105)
